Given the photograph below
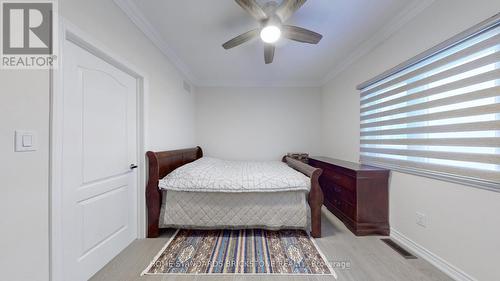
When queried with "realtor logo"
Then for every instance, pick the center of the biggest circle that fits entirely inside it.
(28, 30)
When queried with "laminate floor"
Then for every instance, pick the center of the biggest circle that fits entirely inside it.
(354, 258)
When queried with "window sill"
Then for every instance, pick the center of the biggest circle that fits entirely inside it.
(477, 183)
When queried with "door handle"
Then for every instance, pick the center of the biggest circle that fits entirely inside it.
(133, 166)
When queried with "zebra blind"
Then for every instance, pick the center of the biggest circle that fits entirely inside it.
(441, 115)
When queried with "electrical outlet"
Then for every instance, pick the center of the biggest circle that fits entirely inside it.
(421, 219)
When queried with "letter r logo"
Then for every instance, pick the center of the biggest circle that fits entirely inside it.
(27, 28)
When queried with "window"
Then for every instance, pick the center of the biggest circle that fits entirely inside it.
(439, 114)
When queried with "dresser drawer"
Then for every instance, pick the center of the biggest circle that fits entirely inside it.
(340, 179)
(343, 193)
(349, 210)
(344, 207)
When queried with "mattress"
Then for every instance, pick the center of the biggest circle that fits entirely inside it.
(217, 210)
(215, 175)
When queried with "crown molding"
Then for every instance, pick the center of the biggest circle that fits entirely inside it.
(402, 18)
(135, 15)
(133, 12)
(253, 84)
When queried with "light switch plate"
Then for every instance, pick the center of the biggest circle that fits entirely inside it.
(421, 219)
(25, 141)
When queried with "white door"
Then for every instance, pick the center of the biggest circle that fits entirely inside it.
(99, 186)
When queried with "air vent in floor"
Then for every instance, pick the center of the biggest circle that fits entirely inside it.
(400, 250)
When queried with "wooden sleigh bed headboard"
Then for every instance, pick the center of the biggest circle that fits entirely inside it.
(164, 162)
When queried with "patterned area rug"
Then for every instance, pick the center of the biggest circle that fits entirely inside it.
(257, 251)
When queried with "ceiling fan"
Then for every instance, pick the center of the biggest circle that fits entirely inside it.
(271, 18)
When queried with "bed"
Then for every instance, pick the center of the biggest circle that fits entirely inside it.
(185, 190)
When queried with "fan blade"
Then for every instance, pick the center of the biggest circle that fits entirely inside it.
(301, 34)
(253, 9)
(288, 7)
(268, 53)
(238, 40)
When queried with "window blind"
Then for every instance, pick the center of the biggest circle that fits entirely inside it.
(440, 115)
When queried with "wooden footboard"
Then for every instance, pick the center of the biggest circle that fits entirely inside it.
(162, 163)
(315, 198)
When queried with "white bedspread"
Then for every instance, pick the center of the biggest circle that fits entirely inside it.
(218, 210)
(214, 175)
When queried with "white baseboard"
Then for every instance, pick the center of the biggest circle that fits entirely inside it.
(440, 263)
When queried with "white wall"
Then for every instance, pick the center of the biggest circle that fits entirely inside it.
(463, 225)
(24, 104)
(257, 123)
(24, 188)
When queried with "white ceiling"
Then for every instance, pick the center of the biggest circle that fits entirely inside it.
(191, 32)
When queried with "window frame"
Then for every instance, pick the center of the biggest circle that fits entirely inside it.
(484, 26)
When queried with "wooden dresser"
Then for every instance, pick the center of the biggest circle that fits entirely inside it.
(357, 194)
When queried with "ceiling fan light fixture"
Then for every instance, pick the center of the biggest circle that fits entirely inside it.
(270, 34)
(272, 17)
